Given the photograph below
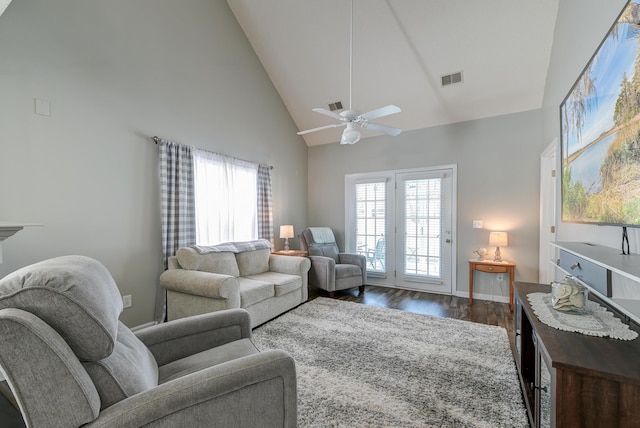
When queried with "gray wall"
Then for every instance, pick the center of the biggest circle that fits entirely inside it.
(116, 73)
(580, 27)
(498, 182)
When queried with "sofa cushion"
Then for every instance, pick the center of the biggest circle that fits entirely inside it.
(253, 291)
(283, 282)
(76, 295)
(253, 262)
(130, 369)
(45, 376)
(320, 241)
(322, 235)
(325, 250)
(216, 262)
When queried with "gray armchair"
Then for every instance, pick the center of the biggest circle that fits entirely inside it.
(69, 362)
(330, 269)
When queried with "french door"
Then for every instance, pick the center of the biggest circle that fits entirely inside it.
(402, 221)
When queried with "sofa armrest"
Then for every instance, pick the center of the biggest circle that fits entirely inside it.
(173, 263)
(355, 259)
(205, 284)
(177, 339)
(323, 272)
(254, 391)
(292, 265)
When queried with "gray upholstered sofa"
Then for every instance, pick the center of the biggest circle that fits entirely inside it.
(234, 275)
(70, 362)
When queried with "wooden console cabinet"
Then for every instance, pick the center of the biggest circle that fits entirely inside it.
(570, 379)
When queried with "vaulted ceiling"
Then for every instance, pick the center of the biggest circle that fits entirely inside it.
(401, 49)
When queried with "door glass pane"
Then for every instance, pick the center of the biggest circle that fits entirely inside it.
(370, 223)
(423, 252)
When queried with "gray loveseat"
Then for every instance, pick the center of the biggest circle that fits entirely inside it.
(234, 275)
(71, 363)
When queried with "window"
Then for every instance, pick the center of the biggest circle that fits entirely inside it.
(370, 222)
(422, 216)
(225, 198)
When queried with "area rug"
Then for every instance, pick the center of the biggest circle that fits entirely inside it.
(364, 366)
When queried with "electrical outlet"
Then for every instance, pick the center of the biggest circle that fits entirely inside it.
(477, 224)
(500, 277)
(126, 301)
(42, 107)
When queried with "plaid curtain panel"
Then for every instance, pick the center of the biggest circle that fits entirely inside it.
(265, 204)
(177, 208)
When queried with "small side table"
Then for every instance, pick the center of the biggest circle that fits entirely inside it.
(490, 266)
(298, 253)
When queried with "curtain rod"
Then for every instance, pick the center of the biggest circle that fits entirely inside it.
(156, 140)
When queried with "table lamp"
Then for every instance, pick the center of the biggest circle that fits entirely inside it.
(286, 232)
(498, 239)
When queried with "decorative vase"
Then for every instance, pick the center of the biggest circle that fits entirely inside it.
(481, 252)
(569, 296)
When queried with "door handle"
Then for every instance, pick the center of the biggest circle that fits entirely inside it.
(448, 241)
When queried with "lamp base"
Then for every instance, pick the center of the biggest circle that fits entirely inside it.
(286, 244)
(497, 257)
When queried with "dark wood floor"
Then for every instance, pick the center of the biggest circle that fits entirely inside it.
(439, 305)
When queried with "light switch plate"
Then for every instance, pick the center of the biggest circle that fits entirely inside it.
(477, 224)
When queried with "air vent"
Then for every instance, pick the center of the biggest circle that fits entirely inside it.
(452, 78)
(335, 106)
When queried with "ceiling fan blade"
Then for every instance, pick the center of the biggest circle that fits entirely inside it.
(327, 113)
(382, 128)
(382, 111)
(320, 128)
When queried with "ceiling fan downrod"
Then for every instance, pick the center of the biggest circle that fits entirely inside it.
(351, 118)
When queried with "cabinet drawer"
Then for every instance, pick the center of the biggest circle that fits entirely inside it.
(491, 269)
(590, 273)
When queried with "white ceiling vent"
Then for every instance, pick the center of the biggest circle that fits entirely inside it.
(452, 78)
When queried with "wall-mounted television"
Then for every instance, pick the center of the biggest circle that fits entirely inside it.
(600, 131)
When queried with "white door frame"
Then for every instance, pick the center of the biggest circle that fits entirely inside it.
(351, 244)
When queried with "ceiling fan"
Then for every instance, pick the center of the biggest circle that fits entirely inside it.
(351, 118)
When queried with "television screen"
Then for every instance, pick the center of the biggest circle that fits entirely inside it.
(600, 131)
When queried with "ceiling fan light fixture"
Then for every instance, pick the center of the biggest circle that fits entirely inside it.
(350, 135)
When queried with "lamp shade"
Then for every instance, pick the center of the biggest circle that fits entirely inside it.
(286, 231)
(498, 239)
